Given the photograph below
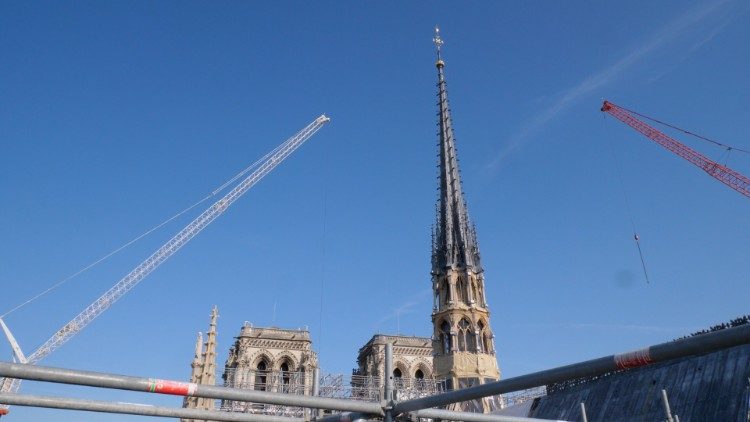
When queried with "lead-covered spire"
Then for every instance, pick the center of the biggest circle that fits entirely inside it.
(454, 238)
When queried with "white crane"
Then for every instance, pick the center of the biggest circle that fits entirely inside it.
(179, 240)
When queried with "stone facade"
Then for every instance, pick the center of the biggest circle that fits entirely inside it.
(412, 357)
(270, 359)
(412, 368)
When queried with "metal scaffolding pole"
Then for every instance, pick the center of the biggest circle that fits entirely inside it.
(158, 386)
(347, 417)
(472, 417)
(135, 409)
(388, 389)
(584, 418)
(703, 343)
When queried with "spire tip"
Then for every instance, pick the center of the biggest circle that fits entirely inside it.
(438, 45)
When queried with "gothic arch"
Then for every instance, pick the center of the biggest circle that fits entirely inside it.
(466, 339)
(288, 357)
(424, 366)
(461, 289)
(260, 355)
(444, 336)
(402, 367)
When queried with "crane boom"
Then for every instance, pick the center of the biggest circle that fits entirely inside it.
(167, 250)
(724, 174)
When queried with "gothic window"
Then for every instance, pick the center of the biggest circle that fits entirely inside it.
(419, 374)
(446, 292)
(462, 291)
(467, 341)
(471, 340)
(445, 337)
(396, 373)
(261, 375)
(284, 368)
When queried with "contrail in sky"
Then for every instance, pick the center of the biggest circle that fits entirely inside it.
(670, 32)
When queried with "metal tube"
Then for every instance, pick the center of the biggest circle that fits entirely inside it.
(388, 388)
(665, 403)
(388, 393)
(703, 343)
(135, 409)
(347, 417)
(584, 418)
(472, 417)
(122, 382)
(316, 388)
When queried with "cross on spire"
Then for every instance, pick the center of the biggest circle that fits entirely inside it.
(437, 41)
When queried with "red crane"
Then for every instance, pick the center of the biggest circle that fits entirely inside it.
(724, 174)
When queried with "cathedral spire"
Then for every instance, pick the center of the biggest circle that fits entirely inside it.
(454, 238)
(462, 342)
(203, 367)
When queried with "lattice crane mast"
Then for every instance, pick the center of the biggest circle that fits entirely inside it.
(724, 174)
(123, 286)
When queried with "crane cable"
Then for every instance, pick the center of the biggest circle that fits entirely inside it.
(141, 236)
(627, 206)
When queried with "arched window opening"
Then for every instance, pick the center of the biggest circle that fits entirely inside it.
(261, 375)
(445, 337)
(471, 341)
(396, 373)
(419, 374)
(284, 372)
(466, 336)
(462, 291)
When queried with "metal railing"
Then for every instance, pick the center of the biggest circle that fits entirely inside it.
(386, 409)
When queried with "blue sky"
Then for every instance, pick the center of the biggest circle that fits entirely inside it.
(115, 116)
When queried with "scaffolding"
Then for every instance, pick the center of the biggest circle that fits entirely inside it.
(335, 386)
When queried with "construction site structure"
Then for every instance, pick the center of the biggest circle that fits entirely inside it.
(412, 368)
(261, 168)
(270, 359)
(724, 174)
(463, 343)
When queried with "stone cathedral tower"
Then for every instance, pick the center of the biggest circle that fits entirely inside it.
(463, 343)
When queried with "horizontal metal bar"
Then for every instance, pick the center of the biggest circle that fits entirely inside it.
(135, 409)
(151, 385)
(700, 344)
(472, 417)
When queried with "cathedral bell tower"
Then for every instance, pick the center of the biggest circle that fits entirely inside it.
(463, 343)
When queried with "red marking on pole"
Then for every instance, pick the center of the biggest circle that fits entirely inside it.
(171, 387)
(633, 359)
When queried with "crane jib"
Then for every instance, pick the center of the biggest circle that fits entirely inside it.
(279, 154)
(724, 174)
